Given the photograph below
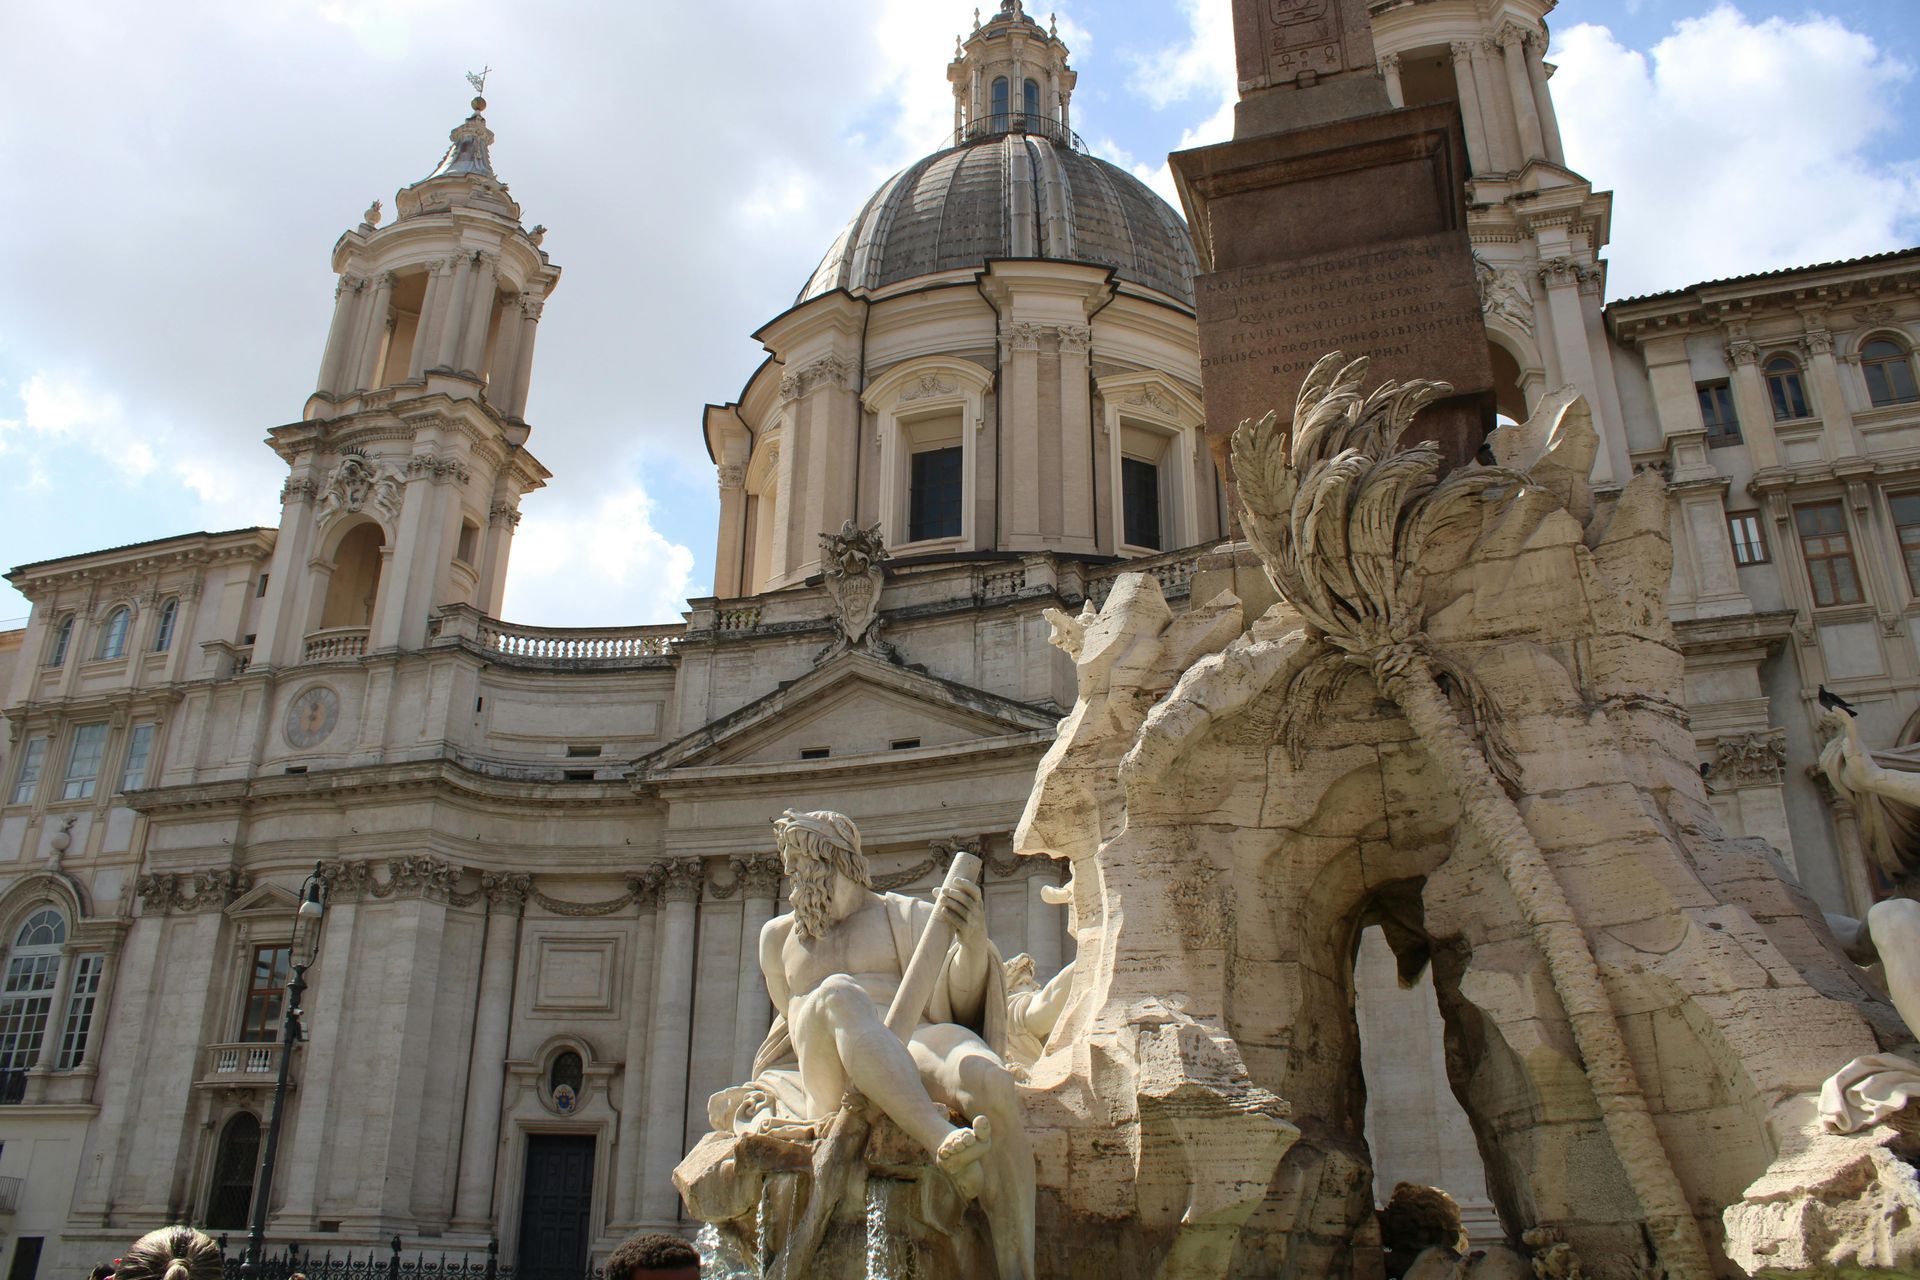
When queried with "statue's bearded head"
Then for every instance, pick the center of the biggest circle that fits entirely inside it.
(814, 848)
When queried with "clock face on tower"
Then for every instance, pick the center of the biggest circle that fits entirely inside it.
(312, 716)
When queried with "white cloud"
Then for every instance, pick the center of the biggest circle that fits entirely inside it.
(596, 567)
(63, 410)
(1201, 72)
(1735, 146)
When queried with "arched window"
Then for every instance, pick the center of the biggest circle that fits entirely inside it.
(1785, 389)
(230, 1204)
(1889, 370)
(163, 629)
(62, 641)
(26, 1004)
(1000, 103)
(113, 636)
(1032, 102)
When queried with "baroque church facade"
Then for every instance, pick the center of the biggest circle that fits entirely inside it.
(547, 851)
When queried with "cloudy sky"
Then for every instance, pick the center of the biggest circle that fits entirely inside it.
(180, 171)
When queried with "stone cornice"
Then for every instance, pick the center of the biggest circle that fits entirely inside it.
(142, 560)
(441, 777)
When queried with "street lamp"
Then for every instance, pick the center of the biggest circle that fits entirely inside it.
(300, 953)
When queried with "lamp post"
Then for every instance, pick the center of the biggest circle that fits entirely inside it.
(300, 953)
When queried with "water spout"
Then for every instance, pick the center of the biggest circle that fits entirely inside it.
(885, 1260)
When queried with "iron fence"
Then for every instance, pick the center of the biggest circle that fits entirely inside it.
(394, 1263)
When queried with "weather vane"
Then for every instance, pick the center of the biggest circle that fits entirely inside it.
(478, 79)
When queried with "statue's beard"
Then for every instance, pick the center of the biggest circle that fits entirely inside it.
(812, 898)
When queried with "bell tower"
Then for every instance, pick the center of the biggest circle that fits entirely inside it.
(1011, 76)
(409, 464)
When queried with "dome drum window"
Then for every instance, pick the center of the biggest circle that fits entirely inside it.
(929, 415)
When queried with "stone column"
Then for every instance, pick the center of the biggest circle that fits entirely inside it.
(1513, 49)
(1543, 100)
(1478, 156)
(345, 295)
(530, 309)
(447, 336)
(367, 366)
(1751, 404)
(487, 1064)
(501, 370)
(669, 1042)
(502, 519)
(326, 999)
(728, 582)
(1078, 515)
(630, 1155)
(1019, 393)
(480, 297)
(109, 967)
(430, 308)
(1829, 395)
(759, 878)
(1390, 72)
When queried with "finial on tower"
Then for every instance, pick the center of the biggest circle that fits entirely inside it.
(1053, 24)
(478, 79)
(976, 17)
(1011, 6)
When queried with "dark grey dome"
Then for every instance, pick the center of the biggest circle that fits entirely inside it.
(1015, 195)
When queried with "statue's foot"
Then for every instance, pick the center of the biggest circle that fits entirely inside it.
(959, 1156)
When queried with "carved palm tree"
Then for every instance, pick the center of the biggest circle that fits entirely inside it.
(1343, 518)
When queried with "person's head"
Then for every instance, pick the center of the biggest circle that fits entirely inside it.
(654, 1254)
(172, 1253)
(815, 848)
(101, 1270)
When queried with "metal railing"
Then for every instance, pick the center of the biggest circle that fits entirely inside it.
(1033, 123)
(10, 1194)
(13, 1088)
(392, 1264)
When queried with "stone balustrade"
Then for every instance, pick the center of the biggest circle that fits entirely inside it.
(1174, 571)
(570, 646)
(335, 643)
(247, 1062)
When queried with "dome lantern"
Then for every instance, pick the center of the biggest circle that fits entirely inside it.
(1011, 76)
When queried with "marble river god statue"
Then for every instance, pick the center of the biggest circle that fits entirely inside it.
(889, 1009)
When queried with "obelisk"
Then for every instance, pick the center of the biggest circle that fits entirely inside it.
(1332, 221)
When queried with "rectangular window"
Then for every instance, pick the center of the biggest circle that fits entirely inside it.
(133, 775)
(260, 592)
(1906, 519)
(1829, 553)
(25, 1003)
(815, 753)
(86, 989)
(83, 761)
(935, 495)
(1716, 410)
(1140, 503)
(26, 780)
(266, 994)
(1749, 543)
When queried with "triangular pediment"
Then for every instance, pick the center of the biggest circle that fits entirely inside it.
(852, 706)
(264, 900)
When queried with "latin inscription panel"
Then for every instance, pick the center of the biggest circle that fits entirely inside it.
(1411, 307)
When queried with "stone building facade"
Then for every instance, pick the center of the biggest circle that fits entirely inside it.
(548, 850)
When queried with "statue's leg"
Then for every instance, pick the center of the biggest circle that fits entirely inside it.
(840, 1038)
(1895, 928)
(962, 1071)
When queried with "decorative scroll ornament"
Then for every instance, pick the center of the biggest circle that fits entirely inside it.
(357, 483)
(162, 893)
(852, 559)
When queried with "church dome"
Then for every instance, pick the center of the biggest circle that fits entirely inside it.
(1019, 192)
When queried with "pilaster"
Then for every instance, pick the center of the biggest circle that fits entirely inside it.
(670, 1041)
